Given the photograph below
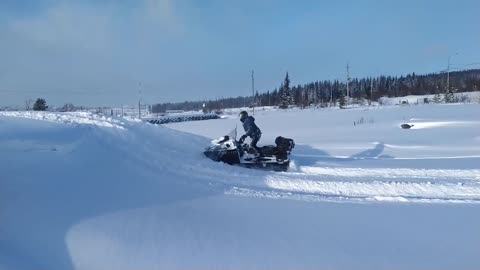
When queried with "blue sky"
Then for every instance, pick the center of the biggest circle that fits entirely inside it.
(104, 52)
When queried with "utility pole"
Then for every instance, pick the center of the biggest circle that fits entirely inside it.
(331, 95)
(348, 83)
(371, 89)
(448, 72)
(253, 94)
(139, 112)
(139, 99)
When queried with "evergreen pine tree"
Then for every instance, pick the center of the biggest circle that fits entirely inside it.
(449, 97)
(280, 97)
(40, 105)
(437, 98)
(286, 97)
(341, 100)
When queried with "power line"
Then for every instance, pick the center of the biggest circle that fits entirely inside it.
(348, 83)
(253, 94)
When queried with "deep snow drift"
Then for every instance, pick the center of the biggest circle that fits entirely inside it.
(79, 191)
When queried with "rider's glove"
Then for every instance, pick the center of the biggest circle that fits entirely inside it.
(242, 139)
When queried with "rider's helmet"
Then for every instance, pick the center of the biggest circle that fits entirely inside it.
(243, 115)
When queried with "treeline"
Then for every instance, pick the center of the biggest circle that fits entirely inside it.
(323, 92)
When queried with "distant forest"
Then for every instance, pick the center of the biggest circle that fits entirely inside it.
(322, 92)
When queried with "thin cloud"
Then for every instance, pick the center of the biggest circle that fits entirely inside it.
(93, 26)
(66, 25)
(163, 13)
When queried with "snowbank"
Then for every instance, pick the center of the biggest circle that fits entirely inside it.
(470, 97)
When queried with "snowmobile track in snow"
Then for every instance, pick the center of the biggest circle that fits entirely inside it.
(367, 185)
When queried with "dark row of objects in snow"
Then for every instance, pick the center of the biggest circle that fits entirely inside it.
(181, 118)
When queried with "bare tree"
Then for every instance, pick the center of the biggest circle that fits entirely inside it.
(68, 107)
(28, 104)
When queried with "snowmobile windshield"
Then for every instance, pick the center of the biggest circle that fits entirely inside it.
(233, 134)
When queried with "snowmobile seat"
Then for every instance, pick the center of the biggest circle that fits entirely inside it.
(284, 144)
(284, 147)
(268, 150)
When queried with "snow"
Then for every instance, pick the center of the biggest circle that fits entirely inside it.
(82, 191)
(87, 118)
(414, 99)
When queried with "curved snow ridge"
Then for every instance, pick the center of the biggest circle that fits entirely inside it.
(86, 118)
(395, 146)
(390, 158)
(422, 125)
(394, 173)
(418, 190)
(278, 194)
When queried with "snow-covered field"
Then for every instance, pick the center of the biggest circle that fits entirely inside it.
(463, 97)
(79, 191)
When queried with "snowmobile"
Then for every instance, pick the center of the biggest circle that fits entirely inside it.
(271, 157)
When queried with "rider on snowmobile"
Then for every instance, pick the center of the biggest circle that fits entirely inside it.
(251, 130)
